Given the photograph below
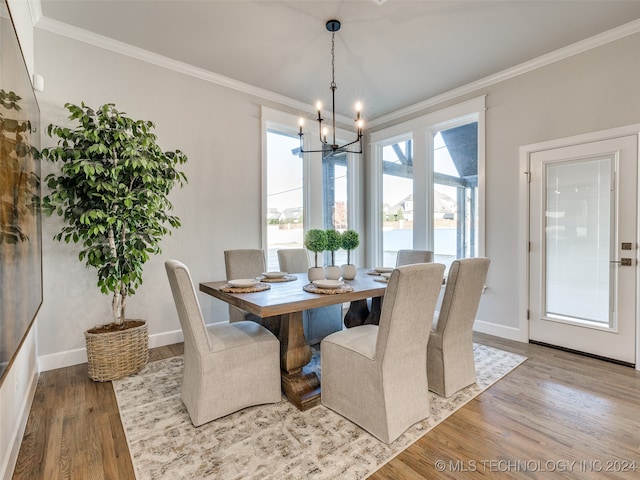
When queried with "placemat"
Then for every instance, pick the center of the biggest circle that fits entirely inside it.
(311, 288)
(258, 287)
(286, 278)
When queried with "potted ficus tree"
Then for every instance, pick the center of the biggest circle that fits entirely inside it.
(350, 241)
(316, 241)
(334, 241)
(112, 193)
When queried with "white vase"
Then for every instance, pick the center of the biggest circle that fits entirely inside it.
(315, 273)
(332, 272)
(349, 271)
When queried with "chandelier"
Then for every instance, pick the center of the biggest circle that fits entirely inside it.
(328, 140)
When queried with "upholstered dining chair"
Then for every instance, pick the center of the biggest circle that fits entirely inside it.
(227, 366)
(293, 260)
(317, 323)
(408, 257)
(243, 263)
(450, 361)
(373, 374)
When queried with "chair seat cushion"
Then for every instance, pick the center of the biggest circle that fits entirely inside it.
(226, 336)
(360, 339)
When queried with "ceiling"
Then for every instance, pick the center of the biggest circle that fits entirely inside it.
(389, 54)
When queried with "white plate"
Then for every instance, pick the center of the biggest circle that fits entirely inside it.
(243, 282)
(385, 275)
(384, 269)
(274, 274)
(328, 283)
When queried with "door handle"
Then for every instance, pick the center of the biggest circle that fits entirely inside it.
(624, 262)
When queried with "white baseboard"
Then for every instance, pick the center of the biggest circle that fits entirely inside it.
(165, 338)
(62, 359)
(502, 331)
(79, 355)
(9, 465)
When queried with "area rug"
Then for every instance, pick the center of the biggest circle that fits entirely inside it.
(274, 441)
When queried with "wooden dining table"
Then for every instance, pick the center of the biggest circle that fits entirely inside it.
(280, 308)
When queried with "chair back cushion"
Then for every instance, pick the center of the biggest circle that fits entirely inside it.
(462, 296)
(293, 260)
(187, 305)
(407, 312)
(244, 263)
(408, 257)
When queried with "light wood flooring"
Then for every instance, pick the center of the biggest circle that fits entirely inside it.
(555, 409)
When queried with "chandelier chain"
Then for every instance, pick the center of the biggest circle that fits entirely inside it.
(333, 60)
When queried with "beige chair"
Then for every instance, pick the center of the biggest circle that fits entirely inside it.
(373, 375)
(227, 366)
(408, 257)
(450, 361)
(243, 263)
(293, 260)
(317, 322)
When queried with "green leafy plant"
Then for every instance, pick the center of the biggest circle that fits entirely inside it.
(334, 241)
(316, 241)
(112, 192)
(350, 241)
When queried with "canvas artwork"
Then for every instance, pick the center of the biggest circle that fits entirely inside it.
(20, 222)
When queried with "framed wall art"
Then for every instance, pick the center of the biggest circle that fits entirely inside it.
(20, 220)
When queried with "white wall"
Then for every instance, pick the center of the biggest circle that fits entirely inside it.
(16, 396)
(592, 91)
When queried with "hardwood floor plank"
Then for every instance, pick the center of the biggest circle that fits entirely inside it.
(53, 447)
(556, 407)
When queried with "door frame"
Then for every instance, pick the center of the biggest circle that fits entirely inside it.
(523, 225)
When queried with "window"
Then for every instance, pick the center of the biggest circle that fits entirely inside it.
(427, 185)
(335, 199)
(284, 196)
(397, 199)
(455, 193)
(307, 191)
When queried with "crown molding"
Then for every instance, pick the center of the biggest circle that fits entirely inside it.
(539, 62)
(101, 41)
(91, 38)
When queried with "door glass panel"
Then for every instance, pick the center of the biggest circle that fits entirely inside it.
(397, 200)
(578, 225)
(455, 193)
(284, 196)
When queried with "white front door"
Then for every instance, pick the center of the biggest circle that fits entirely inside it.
(583, 247)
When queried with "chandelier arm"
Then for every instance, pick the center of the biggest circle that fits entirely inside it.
(359, 139)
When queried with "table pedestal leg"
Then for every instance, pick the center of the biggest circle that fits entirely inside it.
(303, 390)
(376, 308)
(357, 313)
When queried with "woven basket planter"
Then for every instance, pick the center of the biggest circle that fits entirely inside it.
(118, 353)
